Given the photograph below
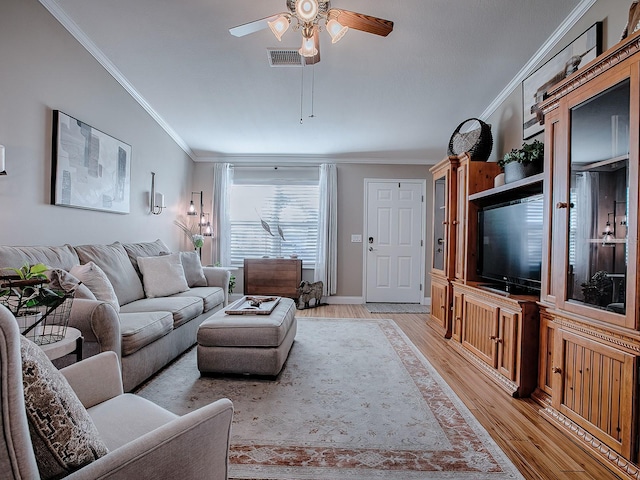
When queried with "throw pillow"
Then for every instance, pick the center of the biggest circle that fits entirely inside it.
(144, 249)
(162, 276)
(93, 277)
(63, 435)
(193, 269)
(115, 263)
(62, 280)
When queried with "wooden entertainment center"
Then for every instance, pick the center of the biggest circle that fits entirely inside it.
(575, 347)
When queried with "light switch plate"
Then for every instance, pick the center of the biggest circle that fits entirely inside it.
(356, 238)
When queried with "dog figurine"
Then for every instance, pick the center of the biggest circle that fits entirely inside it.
(308, 291)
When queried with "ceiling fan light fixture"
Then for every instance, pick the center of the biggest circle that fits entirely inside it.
(279, 26)
(308, 48)
(307, 10)
(336, 30)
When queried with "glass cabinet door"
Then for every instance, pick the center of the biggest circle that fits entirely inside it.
(439, 214)
(599, 186)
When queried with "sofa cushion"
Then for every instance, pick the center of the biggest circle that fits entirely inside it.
(115, 263)
(193, 269)
(182, 309)
(63, 435)
(144, 249)
(162, 276)
(63, 257)
(211, 296)
(128, 417)
(141, 329)
(94, 278)
(62, 280)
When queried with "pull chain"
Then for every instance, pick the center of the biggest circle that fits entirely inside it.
(301, 91)
(313, 83)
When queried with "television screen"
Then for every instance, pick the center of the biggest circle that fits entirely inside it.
(510, 242)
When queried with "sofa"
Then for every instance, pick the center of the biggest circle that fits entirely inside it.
(77, 423)
(143, 310)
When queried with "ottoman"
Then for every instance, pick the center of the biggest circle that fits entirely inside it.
(247, 344)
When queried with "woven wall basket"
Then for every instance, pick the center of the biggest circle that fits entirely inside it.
(478, 141)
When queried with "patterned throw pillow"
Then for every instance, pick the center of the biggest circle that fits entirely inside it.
(63, 435)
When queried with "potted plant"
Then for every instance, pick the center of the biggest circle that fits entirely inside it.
(25, 293)
(523, 162)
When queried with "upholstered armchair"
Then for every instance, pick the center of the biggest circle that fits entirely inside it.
(140, 439)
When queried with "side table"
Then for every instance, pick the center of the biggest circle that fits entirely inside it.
(71, 343)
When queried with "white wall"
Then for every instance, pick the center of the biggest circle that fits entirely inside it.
(43, 68)
(506, 121)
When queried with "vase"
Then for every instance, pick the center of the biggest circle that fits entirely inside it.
(515, 171)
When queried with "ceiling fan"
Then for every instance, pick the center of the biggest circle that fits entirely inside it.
(308, 16)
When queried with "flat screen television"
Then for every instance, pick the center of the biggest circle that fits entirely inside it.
(510, 244)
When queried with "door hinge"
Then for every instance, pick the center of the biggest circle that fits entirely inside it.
(422, 243)
(422, 198)
(420, 287)
(398, 184)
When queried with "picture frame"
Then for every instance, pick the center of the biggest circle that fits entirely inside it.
(535, 87)
(90, 169)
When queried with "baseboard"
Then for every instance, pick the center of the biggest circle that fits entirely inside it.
(334, 300)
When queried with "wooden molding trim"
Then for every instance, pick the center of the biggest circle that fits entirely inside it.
(627, 342)
(503, 382)
(612, 459)
(596, 67)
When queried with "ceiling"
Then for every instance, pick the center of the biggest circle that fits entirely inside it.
(397, 98)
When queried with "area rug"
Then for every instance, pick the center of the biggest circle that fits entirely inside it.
(356, 400)
(396, 308)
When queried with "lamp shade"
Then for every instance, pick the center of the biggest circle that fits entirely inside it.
(308, 48)
(336, 30)
(279, 26)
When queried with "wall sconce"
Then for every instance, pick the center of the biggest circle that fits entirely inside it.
(3, 170)
(156, 199)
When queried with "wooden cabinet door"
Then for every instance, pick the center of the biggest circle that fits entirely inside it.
(440, 302)
(593, 386)
(545, 357)
(457, 323)
(507, 343)
(460, 222)
(480, 329)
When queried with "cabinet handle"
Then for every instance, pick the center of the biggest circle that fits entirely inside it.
(562, 205)
(455, 222)
(556, 370)
(445, 223)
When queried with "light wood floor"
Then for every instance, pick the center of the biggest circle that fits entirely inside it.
(538, 449)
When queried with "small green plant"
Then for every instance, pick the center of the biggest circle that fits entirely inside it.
(24, 290)
(529, 153)
(232, 279)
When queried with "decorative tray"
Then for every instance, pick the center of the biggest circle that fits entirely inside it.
(253, 305)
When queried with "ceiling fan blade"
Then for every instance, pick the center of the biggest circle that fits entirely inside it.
(362, 22)
(252, 27)
(316, 58)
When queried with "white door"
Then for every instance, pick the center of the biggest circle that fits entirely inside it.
(394, 238)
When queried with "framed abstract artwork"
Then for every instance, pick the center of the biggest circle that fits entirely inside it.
(535, 87)
(91, 169)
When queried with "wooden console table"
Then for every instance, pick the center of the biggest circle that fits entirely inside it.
(272, 276)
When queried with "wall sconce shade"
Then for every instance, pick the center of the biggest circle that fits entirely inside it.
(3, 170)
(156, 199)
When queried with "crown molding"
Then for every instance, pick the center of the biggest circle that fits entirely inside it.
(74, 29)
(537, 57)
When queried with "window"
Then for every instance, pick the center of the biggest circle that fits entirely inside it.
(274, 212)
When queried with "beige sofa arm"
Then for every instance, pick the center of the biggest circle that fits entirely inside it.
(194, 446)
(95, 379)
(218, 277)
(98, 321)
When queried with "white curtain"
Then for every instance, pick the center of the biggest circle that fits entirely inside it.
(326, 268)
(587, 188)
(222, 180)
